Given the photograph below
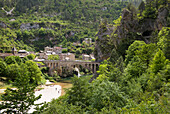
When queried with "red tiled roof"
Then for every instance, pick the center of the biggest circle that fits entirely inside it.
(58, 47)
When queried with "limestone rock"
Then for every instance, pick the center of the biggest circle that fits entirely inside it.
(28, 26)
(103, 43)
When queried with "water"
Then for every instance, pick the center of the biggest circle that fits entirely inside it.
(76, 69)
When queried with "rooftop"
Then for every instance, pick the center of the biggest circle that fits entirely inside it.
(22, 51)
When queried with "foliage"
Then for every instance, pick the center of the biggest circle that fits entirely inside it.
(3, 67)
(19, 100)
(146, 53)
(58, 107)
(64, 51)
(79, 94)
(107, 94)
(31, 56)
(34, 72)
(136, 45)
(53, 57)
(164, 41)
(10, 60)
(159, 62)
(57, 21)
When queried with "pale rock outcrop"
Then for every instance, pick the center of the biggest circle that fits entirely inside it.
(28, 26)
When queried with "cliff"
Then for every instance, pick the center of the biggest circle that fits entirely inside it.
(130, 29)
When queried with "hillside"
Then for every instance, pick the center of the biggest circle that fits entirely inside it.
(39, 23)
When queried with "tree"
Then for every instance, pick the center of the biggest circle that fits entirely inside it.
(3, 67)
(89, 50)
(78, 51)
(141, 7)
(159, 62)
(34, 72)
(53, 57)
(114, 56)
(25, 59)
(31, 57)
(135, 68)
(18, 60)
(107, 94)
(136, 45)
(150, 10)
(103, 71)
(10, 60)
(64, 51)
(21, 99)
(58, 107)
(13, 70)
(80, 93)
(146, 53)
(164, 41)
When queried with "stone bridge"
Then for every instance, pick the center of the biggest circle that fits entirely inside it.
(70, 65)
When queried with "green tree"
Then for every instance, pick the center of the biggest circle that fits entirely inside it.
(34, 72)
(18, 59)
(53, 57)
(159, 62)
(106, 94)
(89, 50)
(135, 68)
(103, 71)
(78, 51)
(150, 10)
(64, 51)
(58, 107)
(13, 70)
(3, 67)
(21, 99)
(10, 60)
(25, 59)
(136, 45)
(31, 57)
(80, 93)
(164, 41)
(146, 53)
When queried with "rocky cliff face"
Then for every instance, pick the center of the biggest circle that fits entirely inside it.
(104, 42)
(138, 30)
(28, 26)
(144, 28)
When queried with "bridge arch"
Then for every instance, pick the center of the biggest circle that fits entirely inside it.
(69, 65)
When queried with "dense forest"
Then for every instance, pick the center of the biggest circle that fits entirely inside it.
(132, 42)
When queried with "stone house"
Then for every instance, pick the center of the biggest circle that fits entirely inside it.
(22, 53)
(87, 57)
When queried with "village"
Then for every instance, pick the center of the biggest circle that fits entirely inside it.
(47, 52)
